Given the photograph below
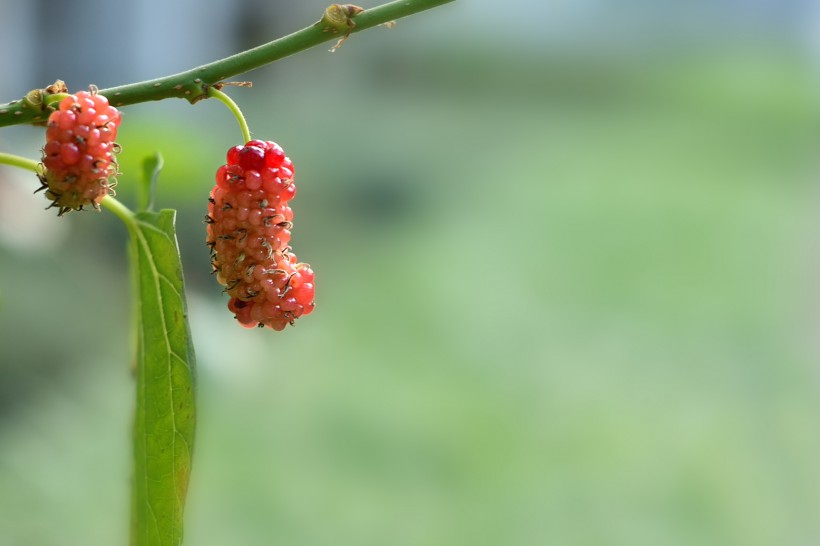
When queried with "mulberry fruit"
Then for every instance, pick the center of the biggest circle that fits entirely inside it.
(79, 155)
(249, 223)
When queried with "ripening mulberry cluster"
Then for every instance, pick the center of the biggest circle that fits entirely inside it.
(249, 223)
(78, 158)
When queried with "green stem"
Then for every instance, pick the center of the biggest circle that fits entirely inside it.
(120, 211)
(234, 108)
(193, 84)
(54, 99)
(21, 162)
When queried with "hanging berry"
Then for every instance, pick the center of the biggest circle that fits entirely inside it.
(249, 223)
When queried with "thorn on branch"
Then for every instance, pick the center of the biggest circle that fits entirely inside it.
(58, 86)
(219, 85)
(339, 18)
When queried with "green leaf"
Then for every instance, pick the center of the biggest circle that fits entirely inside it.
(165, 412)
(151, 166)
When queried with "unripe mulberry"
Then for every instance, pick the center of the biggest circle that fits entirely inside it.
(78, 158)
(249, 223)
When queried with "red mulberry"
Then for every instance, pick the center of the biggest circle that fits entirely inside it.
(78, 158)
(249, 223)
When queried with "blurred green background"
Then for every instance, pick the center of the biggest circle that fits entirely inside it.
(566, 294)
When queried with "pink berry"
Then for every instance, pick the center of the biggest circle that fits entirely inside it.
(249, 225)
(78, 157)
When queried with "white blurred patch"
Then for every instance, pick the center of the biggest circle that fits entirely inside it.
(24, 224)
(224, 349)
